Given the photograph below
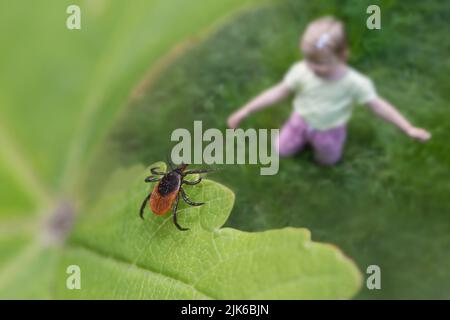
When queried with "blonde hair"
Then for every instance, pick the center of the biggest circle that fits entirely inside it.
(325, 36)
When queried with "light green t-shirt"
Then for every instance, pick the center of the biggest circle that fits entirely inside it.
(326, 104)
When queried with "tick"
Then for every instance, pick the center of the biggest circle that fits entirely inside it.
(167, 191)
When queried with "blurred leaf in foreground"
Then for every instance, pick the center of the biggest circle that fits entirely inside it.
(60, 91)
(123, 257)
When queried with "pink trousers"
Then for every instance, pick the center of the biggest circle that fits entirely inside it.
(327, 144)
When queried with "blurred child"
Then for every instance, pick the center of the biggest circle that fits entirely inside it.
(325, 89)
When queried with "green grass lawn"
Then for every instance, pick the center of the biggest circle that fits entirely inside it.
(387, 203)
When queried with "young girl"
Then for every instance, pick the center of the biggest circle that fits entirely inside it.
(325, 90)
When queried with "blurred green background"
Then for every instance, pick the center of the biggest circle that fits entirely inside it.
(76, 105)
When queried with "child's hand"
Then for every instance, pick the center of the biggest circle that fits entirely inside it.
(419, 134)
(236, 118)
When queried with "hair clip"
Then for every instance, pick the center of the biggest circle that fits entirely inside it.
(322, 41)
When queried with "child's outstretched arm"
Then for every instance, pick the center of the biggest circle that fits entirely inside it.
(388, 112)
(267, 98)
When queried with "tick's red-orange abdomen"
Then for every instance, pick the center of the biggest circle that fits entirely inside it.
(160, 204)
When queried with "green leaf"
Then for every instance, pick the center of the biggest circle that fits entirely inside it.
(60, 92)
(124, 257)
(29, 273)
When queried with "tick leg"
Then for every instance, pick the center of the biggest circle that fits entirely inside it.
(191, 183)
(156, 172)
(152, 179)
(174, 210)
(186, 199)
(199, 171)
(141, 212)
(169, 162)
